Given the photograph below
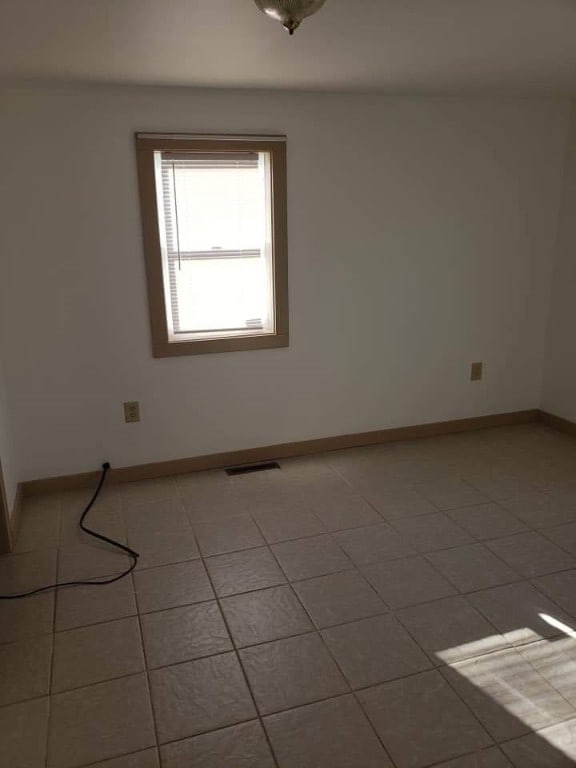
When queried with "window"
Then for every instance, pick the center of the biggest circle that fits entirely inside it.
(214, 224)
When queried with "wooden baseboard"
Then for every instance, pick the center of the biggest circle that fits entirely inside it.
(557, 422)
(282, 451)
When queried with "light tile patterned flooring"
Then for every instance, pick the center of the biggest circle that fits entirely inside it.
(406, 605)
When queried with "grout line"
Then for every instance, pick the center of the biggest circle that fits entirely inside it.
(146, 675)
(219, 729)
(390, 522)
(373, 728)
(356, 568)
(86, 686)
(143, 647)
(98, 763)
(436, 667)
(359, 568)
(474, 754)
(52, 657)
(243, 671)
(314, 630)
(352, 690)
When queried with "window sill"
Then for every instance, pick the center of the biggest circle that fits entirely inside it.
(211, 346)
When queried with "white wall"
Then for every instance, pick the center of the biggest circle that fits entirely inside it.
(420, 236)
(6, 447)
(559, 395)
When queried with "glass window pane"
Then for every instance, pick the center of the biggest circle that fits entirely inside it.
(222, 210)
(220, 294)
(219, 209)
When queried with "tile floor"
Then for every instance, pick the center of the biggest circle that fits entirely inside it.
(408, 605)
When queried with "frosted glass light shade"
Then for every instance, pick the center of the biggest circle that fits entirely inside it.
(290, 12)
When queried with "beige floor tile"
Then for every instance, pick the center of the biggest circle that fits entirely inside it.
(206, 481)
(44, 502)
(563, 535)
(100, 722)
(556, 661)
(145, 491)
(161, 533)
(80, 606)
(507, 695)
(159, 549)
(565, 493)
(200, 696)
(347, 510)
(221, 503)
(269, 614)
(279, 487)
(183, 634)
(339, 598)
(561, 588)
(241, 746)
(156, 516)
(451, 494)
(76, 501)
(25, 669)
(244, 571)
(28, 617)
(540, 510)
(395, 503)
(553, 747)
(472, 567)
(106, 520)
(374, 651)
(313, 475)
(518, 611)
(96, 653)
(390, 493)
(407, 582)
(499, 485)
(316, 467)
(328, 734)
(146, 759)
(451, 630)
(267, 479)
(27, 571)
(93, 560)
(23, 727)
(421, 721)
(428, 533)
(286, 524)
(38, 527)
(171, 586)
(291, 672)
(306, 558)
(488, 758)
(374, 545)
(487, 521)
(531, 554)
(228, 535)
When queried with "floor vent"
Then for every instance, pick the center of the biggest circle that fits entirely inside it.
(253, 468)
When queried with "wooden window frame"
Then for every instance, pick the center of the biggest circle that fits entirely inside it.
(6, 530)
(146, 145)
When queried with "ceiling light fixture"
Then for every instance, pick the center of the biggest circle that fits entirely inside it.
(290, 12)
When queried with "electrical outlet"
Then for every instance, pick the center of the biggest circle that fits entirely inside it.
(476, 371)
(131, 412)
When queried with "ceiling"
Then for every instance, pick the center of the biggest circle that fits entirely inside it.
(430, 45)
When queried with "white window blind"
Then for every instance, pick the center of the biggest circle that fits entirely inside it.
(215, 225)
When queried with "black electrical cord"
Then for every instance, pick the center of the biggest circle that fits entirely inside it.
(97, 582)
